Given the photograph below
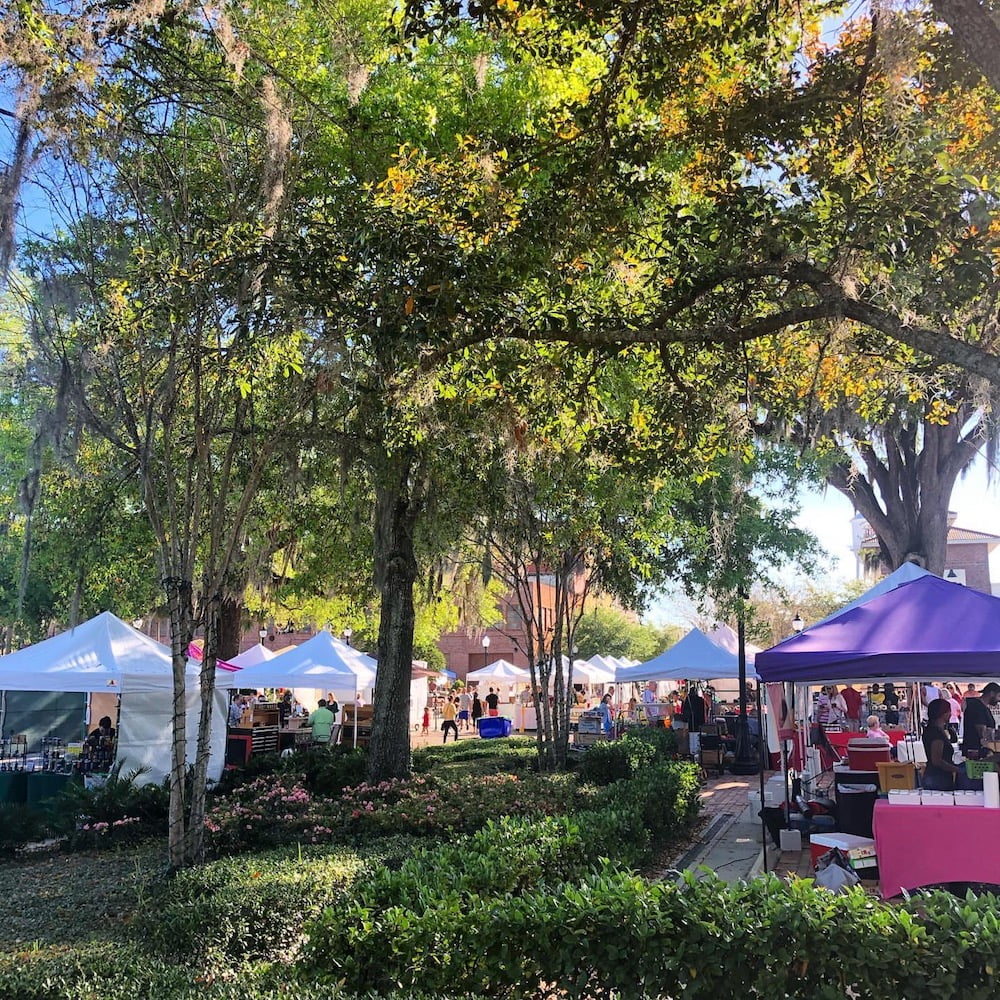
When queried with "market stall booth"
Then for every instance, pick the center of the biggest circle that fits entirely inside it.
(508, 680)
(925, 628)
(320, 666)
(114, 664)
(694, 658)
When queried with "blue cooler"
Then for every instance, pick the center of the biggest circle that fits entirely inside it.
(490, 727)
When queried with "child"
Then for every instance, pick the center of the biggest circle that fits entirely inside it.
(427, 719)
(874, 731)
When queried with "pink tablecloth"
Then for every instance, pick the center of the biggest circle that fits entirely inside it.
(925, 845)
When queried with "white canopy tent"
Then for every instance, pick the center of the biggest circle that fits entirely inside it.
(694, 657)
(590, 673)
(322, 663)
(106, 655)
(257, 653)
(499, 672)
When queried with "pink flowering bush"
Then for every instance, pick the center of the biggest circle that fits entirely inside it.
(110, 833)
(272, 809)
(427, 806)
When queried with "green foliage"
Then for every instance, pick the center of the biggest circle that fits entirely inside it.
(478, 757)
(120, 811)
(664, 740)
(402, 929)
(609, 632)
(615, 760)
(20, 825)
(127, 972)
(238, 910)
(323, 770)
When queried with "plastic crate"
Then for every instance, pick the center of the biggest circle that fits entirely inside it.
(975, 769)
(491, 727)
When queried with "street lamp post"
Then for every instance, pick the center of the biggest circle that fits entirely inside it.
(348, 632)
(262, 635)
(797, 623)
(486, 649)
(745, 762)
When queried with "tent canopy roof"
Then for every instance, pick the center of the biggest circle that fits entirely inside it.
(926, 627)
(695, 657)
(320, 662)
(104, 653)
(500, 672)
(257, 653)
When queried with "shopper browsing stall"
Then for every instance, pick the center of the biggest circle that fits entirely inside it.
(979, 719)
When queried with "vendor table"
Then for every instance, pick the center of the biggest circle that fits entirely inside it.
(928, 845)
(13, 786)
(43, 785)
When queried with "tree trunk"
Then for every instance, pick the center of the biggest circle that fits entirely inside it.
(905, 494)
(396, 510)
(230, 628)
(178, 593)
(195, 840)
(977, 32)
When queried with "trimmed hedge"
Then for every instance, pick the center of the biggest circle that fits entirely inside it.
(405, 929)
(615, 935)
(251, 908)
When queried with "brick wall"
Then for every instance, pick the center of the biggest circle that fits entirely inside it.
(975, 560)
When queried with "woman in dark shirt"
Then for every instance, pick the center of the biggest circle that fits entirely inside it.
(940, 774)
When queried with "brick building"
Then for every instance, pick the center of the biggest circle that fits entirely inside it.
(968, 555)
(464, 649)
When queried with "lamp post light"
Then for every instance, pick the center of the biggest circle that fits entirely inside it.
(348, 632)
(745, 762)
(486, 649)
(137, 624)
(262, 634)
(797, 623)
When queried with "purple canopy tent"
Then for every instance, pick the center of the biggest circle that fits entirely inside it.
(925, 628)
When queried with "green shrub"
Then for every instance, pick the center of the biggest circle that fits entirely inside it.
(510, 755)
(115, 814)
(327, 772)
(615, 760)
(242, 909)
(663, 741)
(612, 934)
(667, 796)
(434, 807)
(127, 973)
(270, 811)
(20, 825)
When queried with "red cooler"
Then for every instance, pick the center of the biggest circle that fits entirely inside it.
(864, 755)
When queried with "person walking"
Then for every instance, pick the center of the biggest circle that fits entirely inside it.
(448, 713)
(426, 727)
(464, 707)
(493, 704)
(477, 711)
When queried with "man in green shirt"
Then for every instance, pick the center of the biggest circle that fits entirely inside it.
(322, 722)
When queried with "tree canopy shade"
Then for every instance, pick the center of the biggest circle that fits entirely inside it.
(341, 238)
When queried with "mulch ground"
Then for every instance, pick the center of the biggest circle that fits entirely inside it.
(52, 899)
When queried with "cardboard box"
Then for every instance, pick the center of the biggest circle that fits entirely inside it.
(896, 775)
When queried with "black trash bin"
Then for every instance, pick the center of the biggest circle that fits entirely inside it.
(856, 793)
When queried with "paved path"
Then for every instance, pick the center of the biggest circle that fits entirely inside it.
(729, 843)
